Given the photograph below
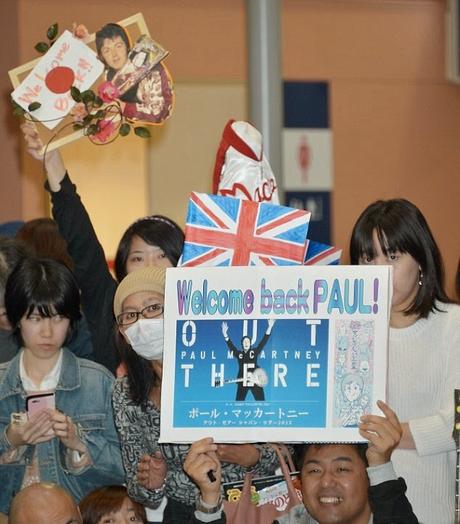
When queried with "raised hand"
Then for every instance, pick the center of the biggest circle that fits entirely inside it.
(225, 330)
(66, 431)
(38, 429)
(151, 471)
(201, 459)
(383, 434)
(54, 164)
(246, 455)
(271, 323)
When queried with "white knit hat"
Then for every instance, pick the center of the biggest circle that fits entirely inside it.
(146, 279)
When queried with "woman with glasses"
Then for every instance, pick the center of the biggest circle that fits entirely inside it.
(153, 471)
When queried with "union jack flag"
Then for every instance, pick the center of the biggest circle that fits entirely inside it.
(225, 231)
(321, 254)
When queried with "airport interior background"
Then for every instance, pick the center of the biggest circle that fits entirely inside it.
(393, 116)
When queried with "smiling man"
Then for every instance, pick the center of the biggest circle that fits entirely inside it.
(341, 483)
(44, 503)
(339, 488)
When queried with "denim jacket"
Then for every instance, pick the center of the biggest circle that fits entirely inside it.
(84, 393)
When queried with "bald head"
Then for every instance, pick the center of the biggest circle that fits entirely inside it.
(44, 503)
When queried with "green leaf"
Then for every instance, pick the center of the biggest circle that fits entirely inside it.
(88, 96)
(16, 107)
(97, 102)
(75, 93)
(18, 111)
(143, 132)
(92, 129)
(42, 47)
(99, 114)
(125, 129)
(77, 127)
(52, 32)
(33, 106)
(88, 118)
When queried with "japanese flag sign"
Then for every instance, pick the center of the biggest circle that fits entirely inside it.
(69, 62)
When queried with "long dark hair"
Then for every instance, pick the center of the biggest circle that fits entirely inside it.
(141, 376)
(45, 285)
(156, 230)
(400, 226)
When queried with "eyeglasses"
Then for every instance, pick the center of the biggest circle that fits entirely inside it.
(130, 317)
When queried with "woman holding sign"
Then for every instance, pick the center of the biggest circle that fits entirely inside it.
(154, 470)
(151, 241)
(424, 350)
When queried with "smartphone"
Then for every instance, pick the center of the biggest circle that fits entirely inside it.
(38, 402)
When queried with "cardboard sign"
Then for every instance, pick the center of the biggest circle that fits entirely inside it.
(69, 62)
(144, 84)
(273, 353)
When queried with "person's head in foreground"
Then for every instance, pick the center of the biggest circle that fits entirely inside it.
(111, 504)
(335, 483)
(138, 307)
(44, 503)
(394, 232)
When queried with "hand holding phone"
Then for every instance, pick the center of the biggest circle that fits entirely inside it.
(38, 402)
(33, 431)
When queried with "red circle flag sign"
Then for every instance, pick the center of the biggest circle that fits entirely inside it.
(60, 79)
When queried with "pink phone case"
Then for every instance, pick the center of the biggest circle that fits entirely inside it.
(38, 402)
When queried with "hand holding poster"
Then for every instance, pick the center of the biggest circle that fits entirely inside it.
(273, 354)
(56, 90)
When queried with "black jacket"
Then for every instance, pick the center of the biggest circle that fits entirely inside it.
(93, 276)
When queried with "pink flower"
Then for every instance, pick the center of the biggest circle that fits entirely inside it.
(108, 92)
(79, 31)
(106, 131)
(79, 112)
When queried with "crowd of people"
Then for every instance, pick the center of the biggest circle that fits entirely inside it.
(88, 347)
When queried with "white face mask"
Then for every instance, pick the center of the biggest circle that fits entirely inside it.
(146, 338)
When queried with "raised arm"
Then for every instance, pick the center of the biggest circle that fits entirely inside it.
(387, 493)
(200, 461)
(270, 324)
(54, 165)
(230, 344)
(93, 276)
